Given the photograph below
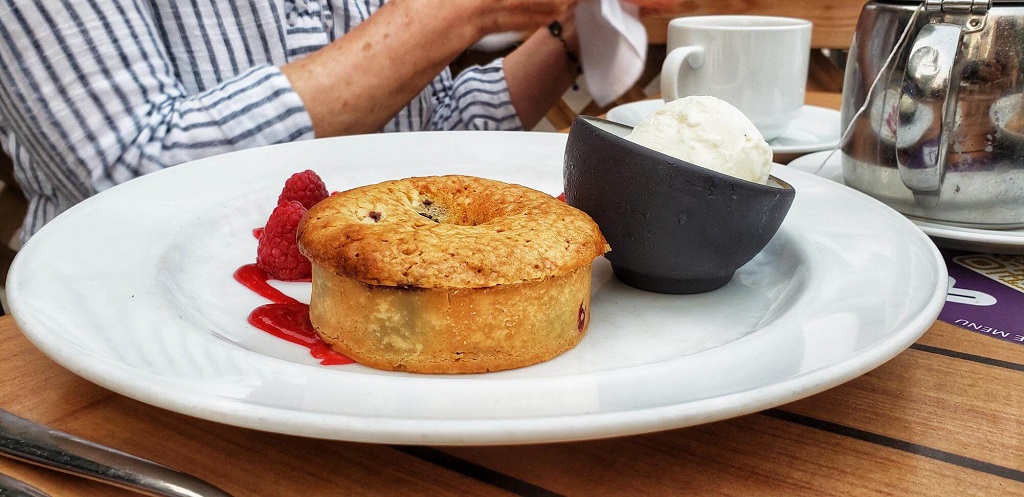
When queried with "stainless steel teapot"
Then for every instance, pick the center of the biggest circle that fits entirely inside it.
(933, 96)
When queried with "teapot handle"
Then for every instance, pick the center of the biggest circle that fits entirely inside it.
(930, 90)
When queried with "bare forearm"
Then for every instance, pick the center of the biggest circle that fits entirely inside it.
(539, 72)
(362, 80)
(359, 82)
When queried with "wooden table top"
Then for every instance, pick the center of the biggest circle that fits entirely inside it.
(941, 418)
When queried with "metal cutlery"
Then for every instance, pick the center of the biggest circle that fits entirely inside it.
(34, 443)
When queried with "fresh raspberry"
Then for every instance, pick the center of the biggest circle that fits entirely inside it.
(305, 188)
(278, 252)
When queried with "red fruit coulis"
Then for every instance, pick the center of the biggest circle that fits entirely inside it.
(288, 319)
(285, 318)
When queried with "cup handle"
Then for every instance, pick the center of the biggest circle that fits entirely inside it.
(930, 91)
(673, 67)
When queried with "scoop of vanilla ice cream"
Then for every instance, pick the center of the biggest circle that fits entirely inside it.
(708, 132)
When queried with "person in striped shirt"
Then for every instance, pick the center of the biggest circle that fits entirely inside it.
(96, 92)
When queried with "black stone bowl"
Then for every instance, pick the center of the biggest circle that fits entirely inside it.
(674, 227)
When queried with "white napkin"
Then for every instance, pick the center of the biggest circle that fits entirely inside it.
(613, 47)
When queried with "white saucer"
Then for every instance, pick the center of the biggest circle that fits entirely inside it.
(945, 235)
(815, 128)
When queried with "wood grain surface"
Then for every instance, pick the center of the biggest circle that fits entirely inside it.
(924, 423)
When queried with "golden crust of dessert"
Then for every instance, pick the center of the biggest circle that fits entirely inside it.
(448, 331)
(448, 232)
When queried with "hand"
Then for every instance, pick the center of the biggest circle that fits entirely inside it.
(520, 15)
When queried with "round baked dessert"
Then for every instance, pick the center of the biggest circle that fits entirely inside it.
(449, 274)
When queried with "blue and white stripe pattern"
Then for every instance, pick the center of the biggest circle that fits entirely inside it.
(96, 92)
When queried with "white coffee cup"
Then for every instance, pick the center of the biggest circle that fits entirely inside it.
(756, 63)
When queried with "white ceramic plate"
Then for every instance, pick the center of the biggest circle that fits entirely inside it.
(133, 289)
(946, 235)
(814, 129)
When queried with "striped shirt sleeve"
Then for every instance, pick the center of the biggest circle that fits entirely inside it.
(99, 102)
(476, 99)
